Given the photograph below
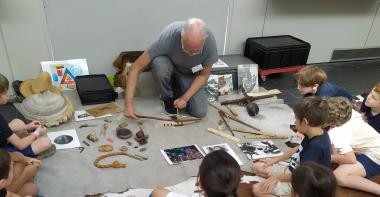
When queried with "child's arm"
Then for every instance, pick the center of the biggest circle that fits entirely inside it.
(11, 194)
(346, 158)
(26, 141)
(285, 156)
(18, 157)
(27, 173)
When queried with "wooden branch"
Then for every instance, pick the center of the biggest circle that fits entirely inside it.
(168, 119)
(244, 99)
(174, 124)
(232, 111)
(252, 97)
(222, 134)
(232, 117)
(225, 122)
(259, 133)
(253, 136)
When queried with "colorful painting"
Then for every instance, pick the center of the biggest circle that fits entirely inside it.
(63, 73)
(182, 154)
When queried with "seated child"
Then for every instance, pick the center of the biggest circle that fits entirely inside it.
(31, 145)
(15, 177)
(371, 108)
(311, 114)
(219, 175)
(312, 81)
(313, 180)
(356, 146)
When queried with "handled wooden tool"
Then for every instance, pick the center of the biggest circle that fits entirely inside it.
(168, 119)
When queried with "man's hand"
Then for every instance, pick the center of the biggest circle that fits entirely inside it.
(180, 103)
(129, 111)
(33, 125)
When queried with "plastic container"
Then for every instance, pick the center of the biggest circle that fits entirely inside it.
(277, 51)
(94, 89)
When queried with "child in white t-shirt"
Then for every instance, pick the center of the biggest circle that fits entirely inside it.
(356, 146)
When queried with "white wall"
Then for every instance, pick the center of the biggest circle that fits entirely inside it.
(25, 35)
(99, 30)
(326, 24)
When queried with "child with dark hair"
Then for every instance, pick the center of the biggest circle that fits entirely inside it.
(356, 146)
(31, 145)
(16, 174)
(313, 180)
(312, 80)
(218, 176)
(311, 115)
(371, 108)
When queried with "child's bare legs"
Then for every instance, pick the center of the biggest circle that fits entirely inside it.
(29, 189)
(41, 144)
(22, 188)
(353, 176)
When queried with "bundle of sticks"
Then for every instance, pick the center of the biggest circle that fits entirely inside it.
(254, 133)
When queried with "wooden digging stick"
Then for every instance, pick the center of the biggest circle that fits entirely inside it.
(232, 111)
(222, 134)
(167, 119)
(259, 133)
(254, 136)
(225, 122)
(232, 117)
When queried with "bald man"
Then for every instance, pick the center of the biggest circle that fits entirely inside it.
(181, 61)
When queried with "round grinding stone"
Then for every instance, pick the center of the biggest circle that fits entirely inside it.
(124, 133)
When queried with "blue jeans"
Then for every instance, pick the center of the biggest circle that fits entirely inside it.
(174, 84)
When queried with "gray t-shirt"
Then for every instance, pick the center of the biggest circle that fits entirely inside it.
(169, 44)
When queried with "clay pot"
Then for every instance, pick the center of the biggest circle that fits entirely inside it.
(252, 109)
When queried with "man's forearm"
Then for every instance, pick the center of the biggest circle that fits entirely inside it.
(198, 83)
(140, 64)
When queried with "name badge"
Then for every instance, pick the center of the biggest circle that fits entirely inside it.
(197, 68)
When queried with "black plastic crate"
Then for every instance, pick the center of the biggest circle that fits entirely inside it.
(94, 89)
(277, 51)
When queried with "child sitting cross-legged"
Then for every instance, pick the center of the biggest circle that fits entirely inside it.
(31, 145)
(311, 114)
(356, 147)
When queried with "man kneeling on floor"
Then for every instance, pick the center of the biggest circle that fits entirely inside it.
(181, 61)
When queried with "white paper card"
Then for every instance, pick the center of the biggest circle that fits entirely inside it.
(55, 136)
(224, 147)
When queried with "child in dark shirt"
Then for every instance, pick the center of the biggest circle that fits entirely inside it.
(31, 145)
(312, 80)
(311, 114)
(371, 108)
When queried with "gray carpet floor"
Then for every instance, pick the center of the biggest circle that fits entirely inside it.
(71, 173)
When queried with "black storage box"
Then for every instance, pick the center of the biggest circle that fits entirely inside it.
(277, 51)
(94, 89)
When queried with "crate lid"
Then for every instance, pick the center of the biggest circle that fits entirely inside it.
(93, 83)
(278, 42)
